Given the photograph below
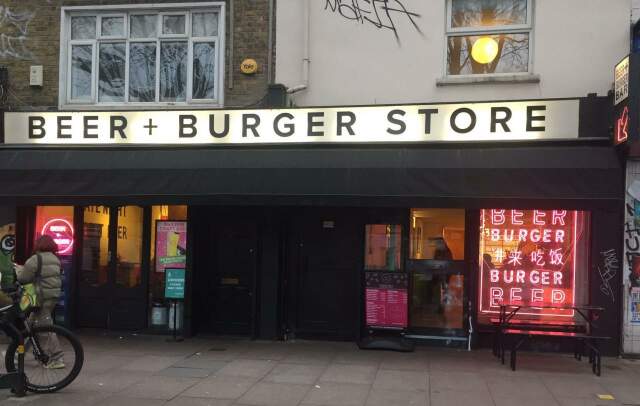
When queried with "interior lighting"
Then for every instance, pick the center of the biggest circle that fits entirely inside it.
(484, 50)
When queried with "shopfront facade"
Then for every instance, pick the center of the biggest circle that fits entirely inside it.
(326, 239)
(333, 206)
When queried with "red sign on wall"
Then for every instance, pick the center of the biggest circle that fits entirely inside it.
(527, 257)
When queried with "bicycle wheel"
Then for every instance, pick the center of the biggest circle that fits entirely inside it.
(52, 360)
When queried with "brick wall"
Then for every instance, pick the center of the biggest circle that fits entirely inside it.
(30, 34)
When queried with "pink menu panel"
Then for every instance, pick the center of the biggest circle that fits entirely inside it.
(386, 300)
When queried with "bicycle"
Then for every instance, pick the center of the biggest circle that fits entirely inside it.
(43, 371)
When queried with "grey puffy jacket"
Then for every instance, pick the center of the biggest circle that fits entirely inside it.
(50, 279)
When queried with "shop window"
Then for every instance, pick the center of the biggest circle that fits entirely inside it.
(385, 283)
(174, 246)
(129, 246)
(437, 234)
(57, 222)
(95, 246)
(533, 258)
(488, 37)
(382, 247)
(143, 56)
(437, 239)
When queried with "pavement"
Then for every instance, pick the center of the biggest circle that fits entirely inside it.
(148, 371)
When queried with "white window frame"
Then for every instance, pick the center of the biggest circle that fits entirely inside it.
(527, 28)
(159, 10)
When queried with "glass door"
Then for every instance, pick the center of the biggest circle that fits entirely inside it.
(111, 293)
(437, 268)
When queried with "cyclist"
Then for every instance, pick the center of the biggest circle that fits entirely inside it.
(49, 285)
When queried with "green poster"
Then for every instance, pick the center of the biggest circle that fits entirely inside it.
(174, 283)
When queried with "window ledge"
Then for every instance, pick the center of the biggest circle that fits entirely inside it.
(476, 80)
(133, 107)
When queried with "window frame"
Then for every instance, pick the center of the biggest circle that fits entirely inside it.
(127, 11)
(527, 28)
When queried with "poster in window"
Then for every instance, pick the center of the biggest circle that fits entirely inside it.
(171, 245)
(527, 257)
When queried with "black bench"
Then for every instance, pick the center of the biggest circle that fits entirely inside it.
(529, 324)
(581, 340)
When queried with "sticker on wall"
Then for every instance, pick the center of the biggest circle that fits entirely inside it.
(7, 248)
(634, 305)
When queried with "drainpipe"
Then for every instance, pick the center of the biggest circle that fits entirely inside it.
(231, 38)
(306, 61)
(270, 45)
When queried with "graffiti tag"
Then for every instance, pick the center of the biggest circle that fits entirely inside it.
(632, 246)
(608, 271)
(13, 33)
(382, 14)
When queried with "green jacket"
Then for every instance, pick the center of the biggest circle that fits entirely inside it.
(50, 278)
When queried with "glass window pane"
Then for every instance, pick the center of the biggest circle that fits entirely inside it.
(83, 27)
(488, 13)
(143, 26)
(204, 70)
(205, 24)
(81, 58)
(382, 247)
(142, 72)
(534, 258)
(111, 72)
(112, 26)
(437, 234)
(95, 246)
(173, 24)
(173, 71)
(437, 300)
(57, 222)
(129, 247)
(498, 53)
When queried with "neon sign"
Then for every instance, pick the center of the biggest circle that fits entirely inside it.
(527, 257)
(622, 126)
(62, 233)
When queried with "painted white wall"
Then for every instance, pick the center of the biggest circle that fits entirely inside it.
(576, 43)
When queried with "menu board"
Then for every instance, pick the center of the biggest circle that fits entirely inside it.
(171, 244)
(386, 299)
(527, 257)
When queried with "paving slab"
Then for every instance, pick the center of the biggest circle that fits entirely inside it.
(247, 368)
(337, 394)
(274, 394)
(401, 380)
(221, 387)
(295, 373)
(396, 398)
(159, 387)
(346, 373)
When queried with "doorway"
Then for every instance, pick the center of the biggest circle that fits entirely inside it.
(225, 266)
(111, 281)
(323, 277)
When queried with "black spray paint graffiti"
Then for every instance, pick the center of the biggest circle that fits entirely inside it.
(632, 246)
(382, 14)
(608, 271)
(13, 33)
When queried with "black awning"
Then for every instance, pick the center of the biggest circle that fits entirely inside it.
(276, 174)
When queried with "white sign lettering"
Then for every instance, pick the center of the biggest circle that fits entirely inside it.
(621, 80)
(496, 121)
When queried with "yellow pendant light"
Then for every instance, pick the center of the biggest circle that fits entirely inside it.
(484, 50)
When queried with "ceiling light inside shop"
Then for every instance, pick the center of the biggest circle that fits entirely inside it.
(484, 50)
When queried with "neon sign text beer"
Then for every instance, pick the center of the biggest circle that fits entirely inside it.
(528, 257)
